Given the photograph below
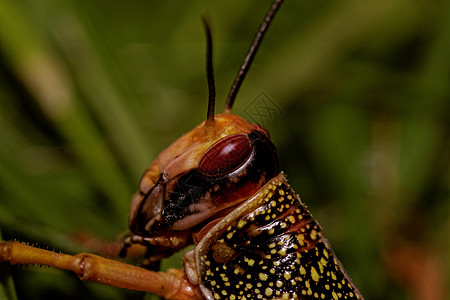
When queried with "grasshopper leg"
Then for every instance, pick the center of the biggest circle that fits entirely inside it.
(172, 284)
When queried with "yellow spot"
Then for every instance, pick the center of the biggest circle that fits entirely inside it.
(335, 296)
(273, 203)
(251, 262)
(213, 282)
(230, 235)
(272, 245)
(333, 276)
(241, 224)
(271, 231)
(320, 264)
(224, 292)
(313, 234)
(283, 225)
(325, 252)
(248, 286)
(282, 252)
(268, 292)
(315, 276)
(302, 270)
(285, 296)
(232, 297)
(263, 276)
(291, 219)
(216, 296)
(327, 286)
(279, 283)
(287, 275)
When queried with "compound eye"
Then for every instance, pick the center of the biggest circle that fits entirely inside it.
(226, 155)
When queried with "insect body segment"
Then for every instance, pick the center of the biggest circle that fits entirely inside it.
(271, 248)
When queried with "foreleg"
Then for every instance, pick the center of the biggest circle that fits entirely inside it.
(172, 284)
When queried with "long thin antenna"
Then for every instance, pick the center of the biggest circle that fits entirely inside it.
(210, 123)
(251, 55)
(209, 70)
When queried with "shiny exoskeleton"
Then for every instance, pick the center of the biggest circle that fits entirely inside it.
(271, 248)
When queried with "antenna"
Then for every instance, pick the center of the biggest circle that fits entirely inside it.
(251, 55)
(210, 125)
(209, 70)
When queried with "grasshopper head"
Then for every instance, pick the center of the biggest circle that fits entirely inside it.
(202, 176)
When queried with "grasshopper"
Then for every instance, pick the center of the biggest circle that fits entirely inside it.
(219, 186)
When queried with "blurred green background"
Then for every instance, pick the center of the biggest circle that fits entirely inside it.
(92, 91)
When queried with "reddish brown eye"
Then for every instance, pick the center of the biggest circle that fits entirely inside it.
(225, 155)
